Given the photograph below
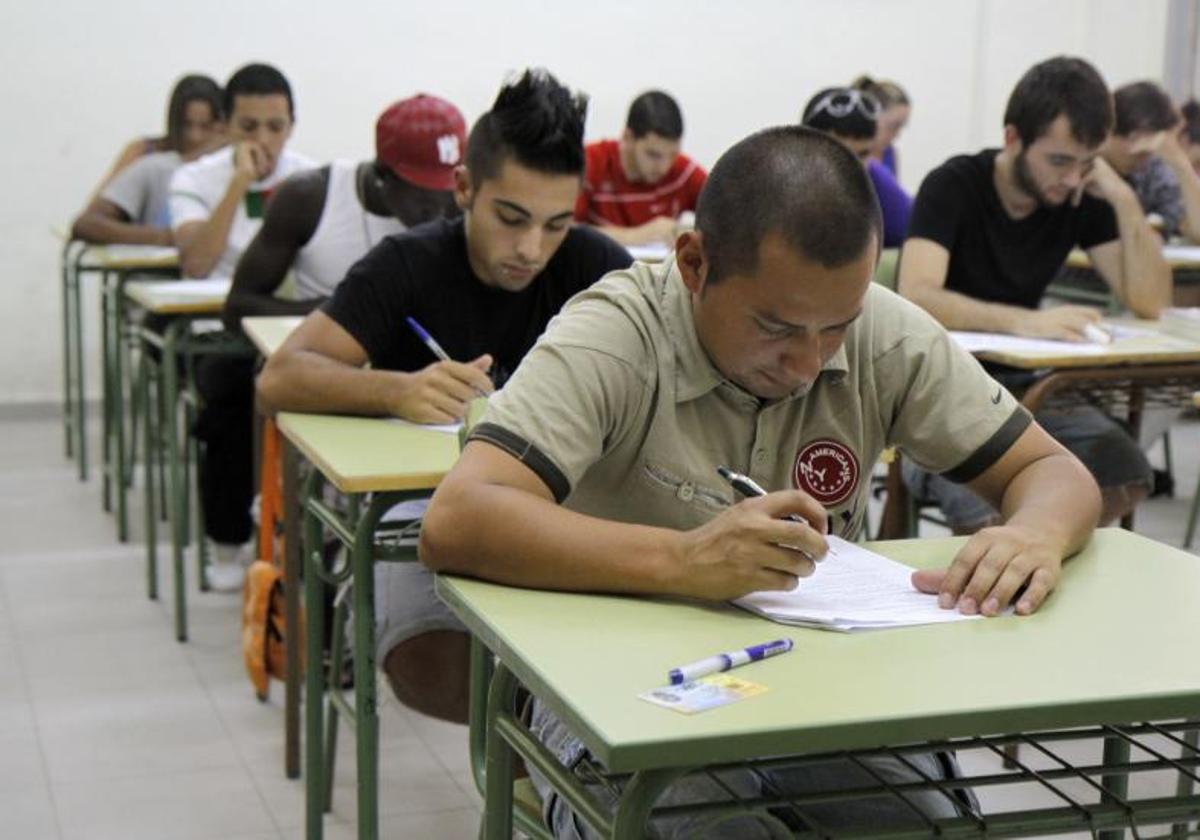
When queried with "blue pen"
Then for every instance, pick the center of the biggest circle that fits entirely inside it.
(725, 661)
(427, 339)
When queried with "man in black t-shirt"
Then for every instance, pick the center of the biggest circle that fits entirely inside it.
(484, 287)
(989, 232)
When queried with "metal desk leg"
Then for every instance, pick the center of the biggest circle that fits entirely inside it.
(80, 372)
(145, 365)
(1185, 786)
(314, 633)
(482, 667)
(121, 480)
(106, 397)
(293, 563)
(366, 712)
(1116, 751)
(70, 414)
(498, 784)
(176, 498)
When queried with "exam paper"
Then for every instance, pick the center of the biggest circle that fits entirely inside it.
(445, 428)
(977, 342)
(654, 252)
(1181, 253)
(203, 289)
(856, 590)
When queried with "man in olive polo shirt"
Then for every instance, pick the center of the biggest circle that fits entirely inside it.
(763, 346)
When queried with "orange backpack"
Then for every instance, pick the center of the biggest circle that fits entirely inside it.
(264, 625)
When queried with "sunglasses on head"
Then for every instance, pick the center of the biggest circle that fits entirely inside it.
(840, 103)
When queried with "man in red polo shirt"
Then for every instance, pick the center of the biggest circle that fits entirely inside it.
(637, 187)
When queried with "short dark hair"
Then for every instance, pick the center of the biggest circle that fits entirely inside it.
(1191, 120)
(1057, 86)
(655, 112)
(258, 80)
(792, 181)
(1143, 106)
(845, 112)
(191, 88)
(888, 93)
(535, 120)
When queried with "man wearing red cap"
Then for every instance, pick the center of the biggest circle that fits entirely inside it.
(322, 221)
(319, 223)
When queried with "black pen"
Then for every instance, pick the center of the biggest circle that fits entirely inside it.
(750, 488)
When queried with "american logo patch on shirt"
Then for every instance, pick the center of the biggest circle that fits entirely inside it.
(826, 470)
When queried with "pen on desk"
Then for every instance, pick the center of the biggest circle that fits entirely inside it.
(725, 661)
(1096, 334)
(749, 488)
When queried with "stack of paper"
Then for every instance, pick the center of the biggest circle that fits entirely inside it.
(855, 589)
(979, 342)
(1182, 322)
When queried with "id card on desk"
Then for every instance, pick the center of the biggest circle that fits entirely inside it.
(703, 694)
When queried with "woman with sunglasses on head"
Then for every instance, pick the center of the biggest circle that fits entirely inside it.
(897, 107)
(852, 117)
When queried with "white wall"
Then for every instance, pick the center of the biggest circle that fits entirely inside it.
(82, 78)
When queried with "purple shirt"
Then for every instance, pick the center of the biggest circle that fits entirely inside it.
(894, 202)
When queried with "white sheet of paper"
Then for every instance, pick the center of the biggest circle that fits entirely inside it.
(206, 288)
(445, 428)
(977, 342)
(1181, 253)
(655, 252)
(856, 590)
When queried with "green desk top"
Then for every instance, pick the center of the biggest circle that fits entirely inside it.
(180, 297)
(1117, 642)
(368, 454)
(267, 333)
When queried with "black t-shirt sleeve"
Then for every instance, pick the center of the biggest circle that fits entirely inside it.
(372, 301)
(1097, 222)
(595, 256)
(939, 207)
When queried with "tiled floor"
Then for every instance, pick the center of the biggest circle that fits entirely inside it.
(111, 729)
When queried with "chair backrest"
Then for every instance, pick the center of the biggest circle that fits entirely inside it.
(886, 271)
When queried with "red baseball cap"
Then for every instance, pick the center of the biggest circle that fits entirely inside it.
(422, 139)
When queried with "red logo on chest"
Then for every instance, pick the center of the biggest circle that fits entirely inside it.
(827, 471)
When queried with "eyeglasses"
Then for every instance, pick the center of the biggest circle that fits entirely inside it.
(839, 103)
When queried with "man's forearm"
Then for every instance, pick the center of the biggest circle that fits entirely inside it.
(1145, 285)
(92, 227)
(521, 539)
(1058, 498)
(959, 312)
(207, 242)
(304, 381)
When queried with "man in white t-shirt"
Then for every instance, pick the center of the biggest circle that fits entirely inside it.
(217, 205)
(217, 202)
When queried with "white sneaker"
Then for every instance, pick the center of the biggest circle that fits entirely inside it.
(227, 566)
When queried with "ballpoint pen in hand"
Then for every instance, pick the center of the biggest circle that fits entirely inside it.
(431, 343)
(749, 488)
